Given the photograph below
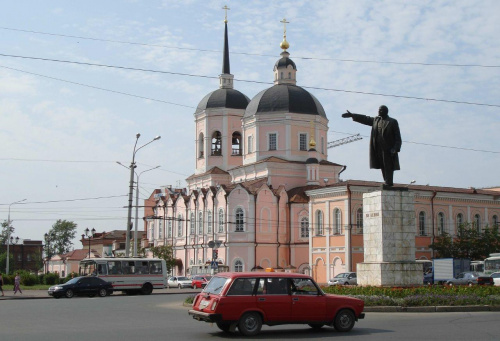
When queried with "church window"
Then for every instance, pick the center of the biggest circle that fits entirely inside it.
(192, 224)
(304, 227)
(179, 225)
(281, 75)
(319, 223)
(239, 220)
(221, 220)
(338, 221)
(302, 141)
(273, 143)
(359, 220)
(494, 221)
(250, 144)
(200, 223)
(238, 266)
(460, 220)
(477, 222)
(209, 222)
(421, 223)
(169, 229)
(160, 230)
(440, 223)
(236, 144)
(217, 144)
(201, 146)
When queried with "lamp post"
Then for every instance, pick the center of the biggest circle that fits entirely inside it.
(8, 235)
(131, 190)
(89, 234)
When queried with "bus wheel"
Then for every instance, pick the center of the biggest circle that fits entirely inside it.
(147, 289)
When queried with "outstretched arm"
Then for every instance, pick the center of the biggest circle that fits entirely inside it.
(359, 118)
(347, 114)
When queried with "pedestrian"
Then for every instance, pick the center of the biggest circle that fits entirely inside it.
(1, 283)
(17, 283)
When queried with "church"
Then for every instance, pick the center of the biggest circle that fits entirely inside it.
(264, 195)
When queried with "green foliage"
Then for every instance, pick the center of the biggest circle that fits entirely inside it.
(62, 233)
(165, 252)
(469, 243)
(51, 279)
(5, 232)
(190, 299)
(3, 261)
(28, 279)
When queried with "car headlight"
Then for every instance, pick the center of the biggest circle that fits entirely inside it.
(57, 288)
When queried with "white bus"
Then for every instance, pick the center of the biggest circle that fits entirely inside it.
(130, 275)
(492, 264)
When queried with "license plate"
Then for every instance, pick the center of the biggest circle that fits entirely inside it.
(204, 304)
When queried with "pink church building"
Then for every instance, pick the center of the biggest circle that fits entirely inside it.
(265, 194)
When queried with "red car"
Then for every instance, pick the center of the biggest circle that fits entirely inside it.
(247, 300)
(200, 281)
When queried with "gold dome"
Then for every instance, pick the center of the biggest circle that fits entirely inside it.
(284, 44)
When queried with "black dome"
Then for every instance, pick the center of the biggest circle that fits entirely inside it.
(223, 98)
(284, 62)
(285, 98)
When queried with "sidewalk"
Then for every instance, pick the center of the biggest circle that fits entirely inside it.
(39, 294)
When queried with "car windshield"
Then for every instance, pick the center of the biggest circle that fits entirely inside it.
(342, 275)
(182, 279)
(73, 280)
(215, 285)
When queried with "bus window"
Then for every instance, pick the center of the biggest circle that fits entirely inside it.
(115, 267)
(102, 269)
(141, 267)
(128, 267)
(155, 267)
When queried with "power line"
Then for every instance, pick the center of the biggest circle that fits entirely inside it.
(214, 77)
(250, 54)
(67, 200)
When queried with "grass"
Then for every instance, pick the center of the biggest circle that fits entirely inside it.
(24, 287)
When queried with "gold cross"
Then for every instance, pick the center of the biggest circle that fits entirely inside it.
(284, 26)
(225, 8)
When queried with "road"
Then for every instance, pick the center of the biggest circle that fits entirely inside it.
(161, 317)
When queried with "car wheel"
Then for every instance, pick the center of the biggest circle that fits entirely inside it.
(250, 324)
(344, 321)
(103, 292)
(69, 293)
(316, 326)
(147, 289)
(224, 326)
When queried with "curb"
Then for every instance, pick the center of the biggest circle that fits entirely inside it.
(431, 309)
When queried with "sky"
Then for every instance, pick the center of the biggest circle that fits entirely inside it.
(79, 80)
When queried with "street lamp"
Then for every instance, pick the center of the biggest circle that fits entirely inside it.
(8, 234)
(89, 234)
(131, 190)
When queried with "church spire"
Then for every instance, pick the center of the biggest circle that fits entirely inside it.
(226, 78)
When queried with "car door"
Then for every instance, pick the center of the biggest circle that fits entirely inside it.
(273, 299)
(308, 303)
(83, 286)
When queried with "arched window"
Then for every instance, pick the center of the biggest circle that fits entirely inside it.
(289, 75)
(319, 223)
(494, 221)
(160, 229)
(460, 221)
(221, 220)
(236, 144)
(216, 143)
(179, 225)
(169, 228)
(201, 146)
(338, 222)
(239, 220)
(192, 223)
(359, 220)
(304, 227)
(477, 222)
(440, 223)
(238, 266)
(421, 224)
(200, 223)
(209, 222)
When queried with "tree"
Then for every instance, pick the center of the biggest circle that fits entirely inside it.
(165, 252)
(443, 246)
(5, 232)
(63, 232)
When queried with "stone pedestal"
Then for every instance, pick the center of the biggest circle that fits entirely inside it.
(389, 240)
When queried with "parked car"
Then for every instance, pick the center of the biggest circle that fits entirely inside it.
(82, 286)
(247, 300)
(200, 281)
(470, 278)
(496, 278)
(345, 278)
(179, 282)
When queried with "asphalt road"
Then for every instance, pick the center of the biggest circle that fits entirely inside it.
(163, 317)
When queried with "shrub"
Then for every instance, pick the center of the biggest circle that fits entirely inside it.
(51, 279)
(28, 279)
